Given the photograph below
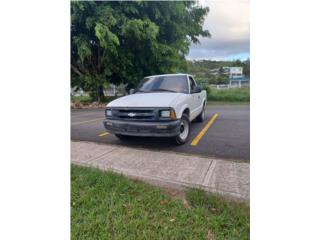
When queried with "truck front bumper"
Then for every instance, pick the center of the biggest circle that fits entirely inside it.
(144, 129)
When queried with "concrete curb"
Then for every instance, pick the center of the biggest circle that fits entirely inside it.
(228, 178)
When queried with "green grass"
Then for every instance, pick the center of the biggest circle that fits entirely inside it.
(230, 95)
(105, 205)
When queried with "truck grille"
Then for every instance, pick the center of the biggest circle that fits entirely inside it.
(134, 114)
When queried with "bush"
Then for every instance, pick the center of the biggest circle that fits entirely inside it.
(88, 99)
(81, 99)
(207, 88)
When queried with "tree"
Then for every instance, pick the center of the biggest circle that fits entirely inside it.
(120, 42)
(222, 79)
(237, 63)
(246, 68)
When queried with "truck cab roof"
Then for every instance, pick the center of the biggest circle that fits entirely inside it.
(171, 74)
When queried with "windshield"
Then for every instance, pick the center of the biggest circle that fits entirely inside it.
(175, 83)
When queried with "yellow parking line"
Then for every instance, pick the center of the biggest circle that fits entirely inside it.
(89, 121)
(196, 140)
(103, 134)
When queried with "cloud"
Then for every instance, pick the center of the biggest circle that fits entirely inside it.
(228, 23)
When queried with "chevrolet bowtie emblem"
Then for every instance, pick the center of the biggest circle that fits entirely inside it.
(131, 114)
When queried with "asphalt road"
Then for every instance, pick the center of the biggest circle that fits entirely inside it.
(228, 137)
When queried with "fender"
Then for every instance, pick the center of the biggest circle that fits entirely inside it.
(182, 109)
(180, 105)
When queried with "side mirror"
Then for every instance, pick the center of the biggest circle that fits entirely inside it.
(131, 91)
(197, 89)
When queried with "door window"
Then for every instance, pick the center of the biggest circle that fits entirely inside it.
(192, 84)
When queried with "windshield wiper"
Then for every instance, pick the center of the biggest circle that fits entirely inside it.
(162, 90)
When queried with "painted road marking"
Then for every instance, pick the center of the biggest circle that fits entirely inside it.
(89, 121)
(196, 140)
(103, 134)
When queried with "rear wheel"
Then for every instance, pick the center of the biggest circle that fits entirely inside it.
(184, 130)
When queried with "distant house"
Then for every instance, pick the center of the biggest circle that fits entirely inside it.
(237, 77)
(236, 73)
(232, 72)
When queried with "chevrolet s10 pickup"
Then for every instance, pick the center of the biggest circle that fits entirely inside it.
(161, 106)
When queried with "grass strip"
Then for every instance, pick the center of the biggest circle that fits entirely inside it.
(106, 205)
(229, 95)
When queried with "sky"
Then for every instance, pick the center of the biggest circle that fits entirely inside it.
(228, 23)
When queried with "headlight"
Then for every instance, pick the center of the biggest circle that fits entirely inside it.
(108, 113)
(165, 114)
(168, 114)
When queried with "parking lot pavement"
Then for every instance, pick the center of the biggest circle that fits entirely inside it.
(226, 133)
(214, 175)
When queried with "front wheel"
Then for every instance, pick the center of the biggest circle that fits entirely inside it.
(184, 130)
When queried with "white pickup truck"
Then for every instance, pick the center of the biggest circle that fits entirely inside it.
(161, 106)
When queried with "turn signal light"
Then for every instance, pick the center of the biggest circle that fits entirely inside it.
(173, 114)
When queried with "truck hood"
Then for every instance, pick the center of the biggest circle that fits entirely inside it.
(156, 99)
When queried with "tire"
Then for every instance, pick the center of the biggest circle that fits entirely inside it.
(202, 115)
(185, 130)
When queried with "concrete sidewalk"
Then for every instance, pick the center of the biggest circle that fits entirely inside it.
(167, 169)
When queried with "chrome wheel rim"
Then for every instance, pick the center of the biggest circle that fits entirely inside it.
(184, 129)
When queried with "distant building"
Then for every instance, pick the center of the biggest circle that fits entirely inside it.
(231, 72)
(237, 77)
(236, 73)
